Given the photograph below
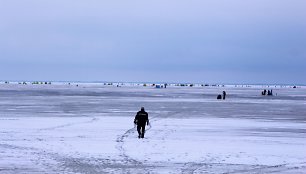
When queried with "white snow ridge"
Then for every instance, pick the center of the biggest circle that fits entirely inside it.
(89, 129)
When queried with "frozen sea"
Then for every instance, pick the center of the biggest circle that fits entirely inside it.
(89, 128)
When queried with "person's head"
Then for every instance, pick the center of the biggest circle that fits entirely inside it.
(142, 109)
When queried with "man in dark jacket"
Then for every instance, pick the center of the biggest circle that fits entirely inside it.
(224, 94)
(141, 119)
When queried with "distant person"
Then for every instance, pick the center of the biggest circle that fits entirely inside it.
(224, 94)
(219, 97)
(141, 119)
(264, 92)
(270, 92)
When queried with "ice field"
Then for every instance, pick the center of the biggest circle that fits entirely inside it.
(89, 128)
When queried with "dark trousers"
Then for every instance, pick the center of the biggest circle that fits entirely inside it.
(141, 130)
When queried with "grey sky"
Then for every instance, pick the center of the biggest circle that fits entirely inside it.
(237, 41)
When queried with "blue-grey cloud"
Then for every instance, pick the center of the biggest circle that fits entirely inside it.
(216, 41)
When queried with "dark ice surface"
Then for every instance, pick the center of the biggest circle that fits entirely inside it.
(288, 105)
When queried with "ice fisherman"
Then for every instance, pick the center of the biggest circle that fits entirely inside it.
(270, 92)
(141, 119)
(224, 94)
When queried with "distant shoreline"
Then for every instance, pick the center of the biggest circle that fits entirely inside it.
(151, 83)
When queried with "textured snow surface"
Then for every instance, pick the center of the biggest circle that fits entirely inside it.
(89, 129)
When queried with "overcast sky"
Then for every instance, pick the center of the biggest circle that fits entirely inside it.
(217, 41)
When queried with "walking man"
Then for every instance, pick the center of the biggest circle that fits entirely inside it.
(141, 119)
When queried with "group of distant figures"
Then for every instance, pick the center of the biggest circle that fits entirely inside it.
(219, 97)
(265, 92)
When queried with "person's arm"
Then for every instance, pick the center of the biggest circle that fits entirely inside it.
(136, 119)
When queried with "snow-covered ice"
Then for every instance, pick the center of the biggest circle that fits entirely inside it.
(89, 129)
